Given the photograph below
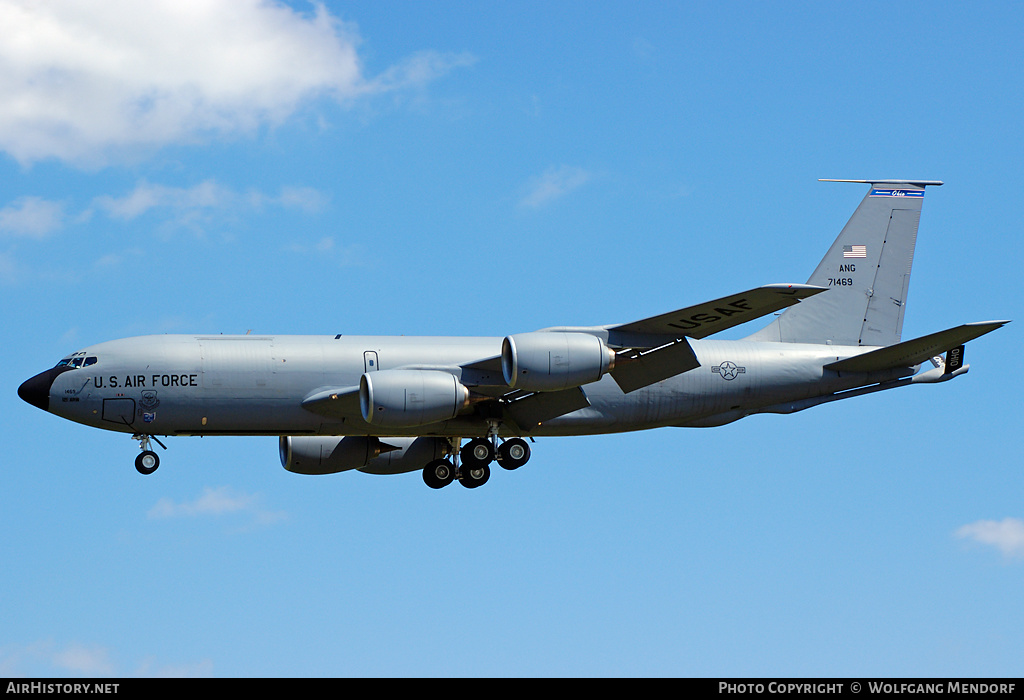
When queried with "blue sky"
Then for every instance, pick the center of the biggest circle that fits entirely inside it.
(487, 168)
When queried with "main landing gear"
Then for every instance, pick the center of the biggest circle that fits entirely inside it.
(148, 460)
(476, 457)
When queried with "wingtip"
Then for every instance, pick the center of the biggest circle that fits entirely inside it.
(801, 290)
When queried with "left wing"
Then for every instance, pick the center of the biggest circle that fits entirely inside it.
(711, 317)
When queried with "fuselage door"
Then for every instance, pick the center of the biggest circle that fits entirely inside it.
(121, 411)
(370, 361)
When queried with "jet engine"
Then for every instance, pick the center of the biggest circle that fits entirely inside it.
(317, 455)
(406, 398)
(552, 361)
(329, 455)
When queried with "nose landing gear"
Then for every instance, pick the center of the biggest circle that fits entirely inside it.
(148, 460)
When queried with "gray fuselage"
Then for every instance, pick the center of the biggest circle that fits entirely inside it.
(255, 385)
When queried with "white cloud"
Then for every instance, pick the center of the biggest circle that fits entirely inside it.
(44, 657)
(189, 206)
(212, 502)
(84, 660)
(418, 70)
(31, 217)
(307, 199)
(115, 259)
(1006, 535)
(215, 502)
(327, 249)
(150, 669)
(194, 206)
(94, 80)
(145, 196)
(555, 183)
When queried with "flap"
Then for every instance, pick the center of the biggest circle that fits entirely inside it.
(534, 409)
(635, 370)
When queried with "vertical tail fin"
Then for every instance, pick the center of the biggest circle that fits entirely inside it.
(867, 272)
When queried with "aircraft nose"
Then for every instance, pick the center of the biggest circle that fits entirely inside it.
(36, 390)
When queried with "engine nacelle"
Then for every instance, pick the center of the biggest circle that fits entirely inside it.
(329, 455)
(412, 454)
(406, 398)
(544, 361)
(319, 455)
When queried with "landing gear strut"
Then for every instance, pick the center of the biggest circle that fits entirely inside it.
(148, 460)
(476, 457)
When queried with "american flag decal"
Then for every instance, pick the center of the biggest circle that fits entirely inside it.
(855, 251)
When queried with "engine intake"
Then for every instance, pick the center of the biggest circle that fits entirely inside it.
(406, 398)
(554, 361)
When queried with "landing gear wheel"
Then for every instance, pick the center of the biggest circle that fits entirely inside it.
(477, 453)
(513, 453)
(147, 462)
(472, 477)
(439, 473)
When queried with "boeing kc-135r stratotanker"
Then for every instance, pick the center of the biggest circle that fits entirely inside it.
(389, 405)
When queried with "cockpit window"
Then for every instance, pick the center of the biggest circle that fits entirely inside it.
(79, 359)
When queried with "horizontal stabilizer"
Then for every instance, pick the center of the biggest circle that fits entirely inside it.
(912, 183)
(711, 317)
(914, 352)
